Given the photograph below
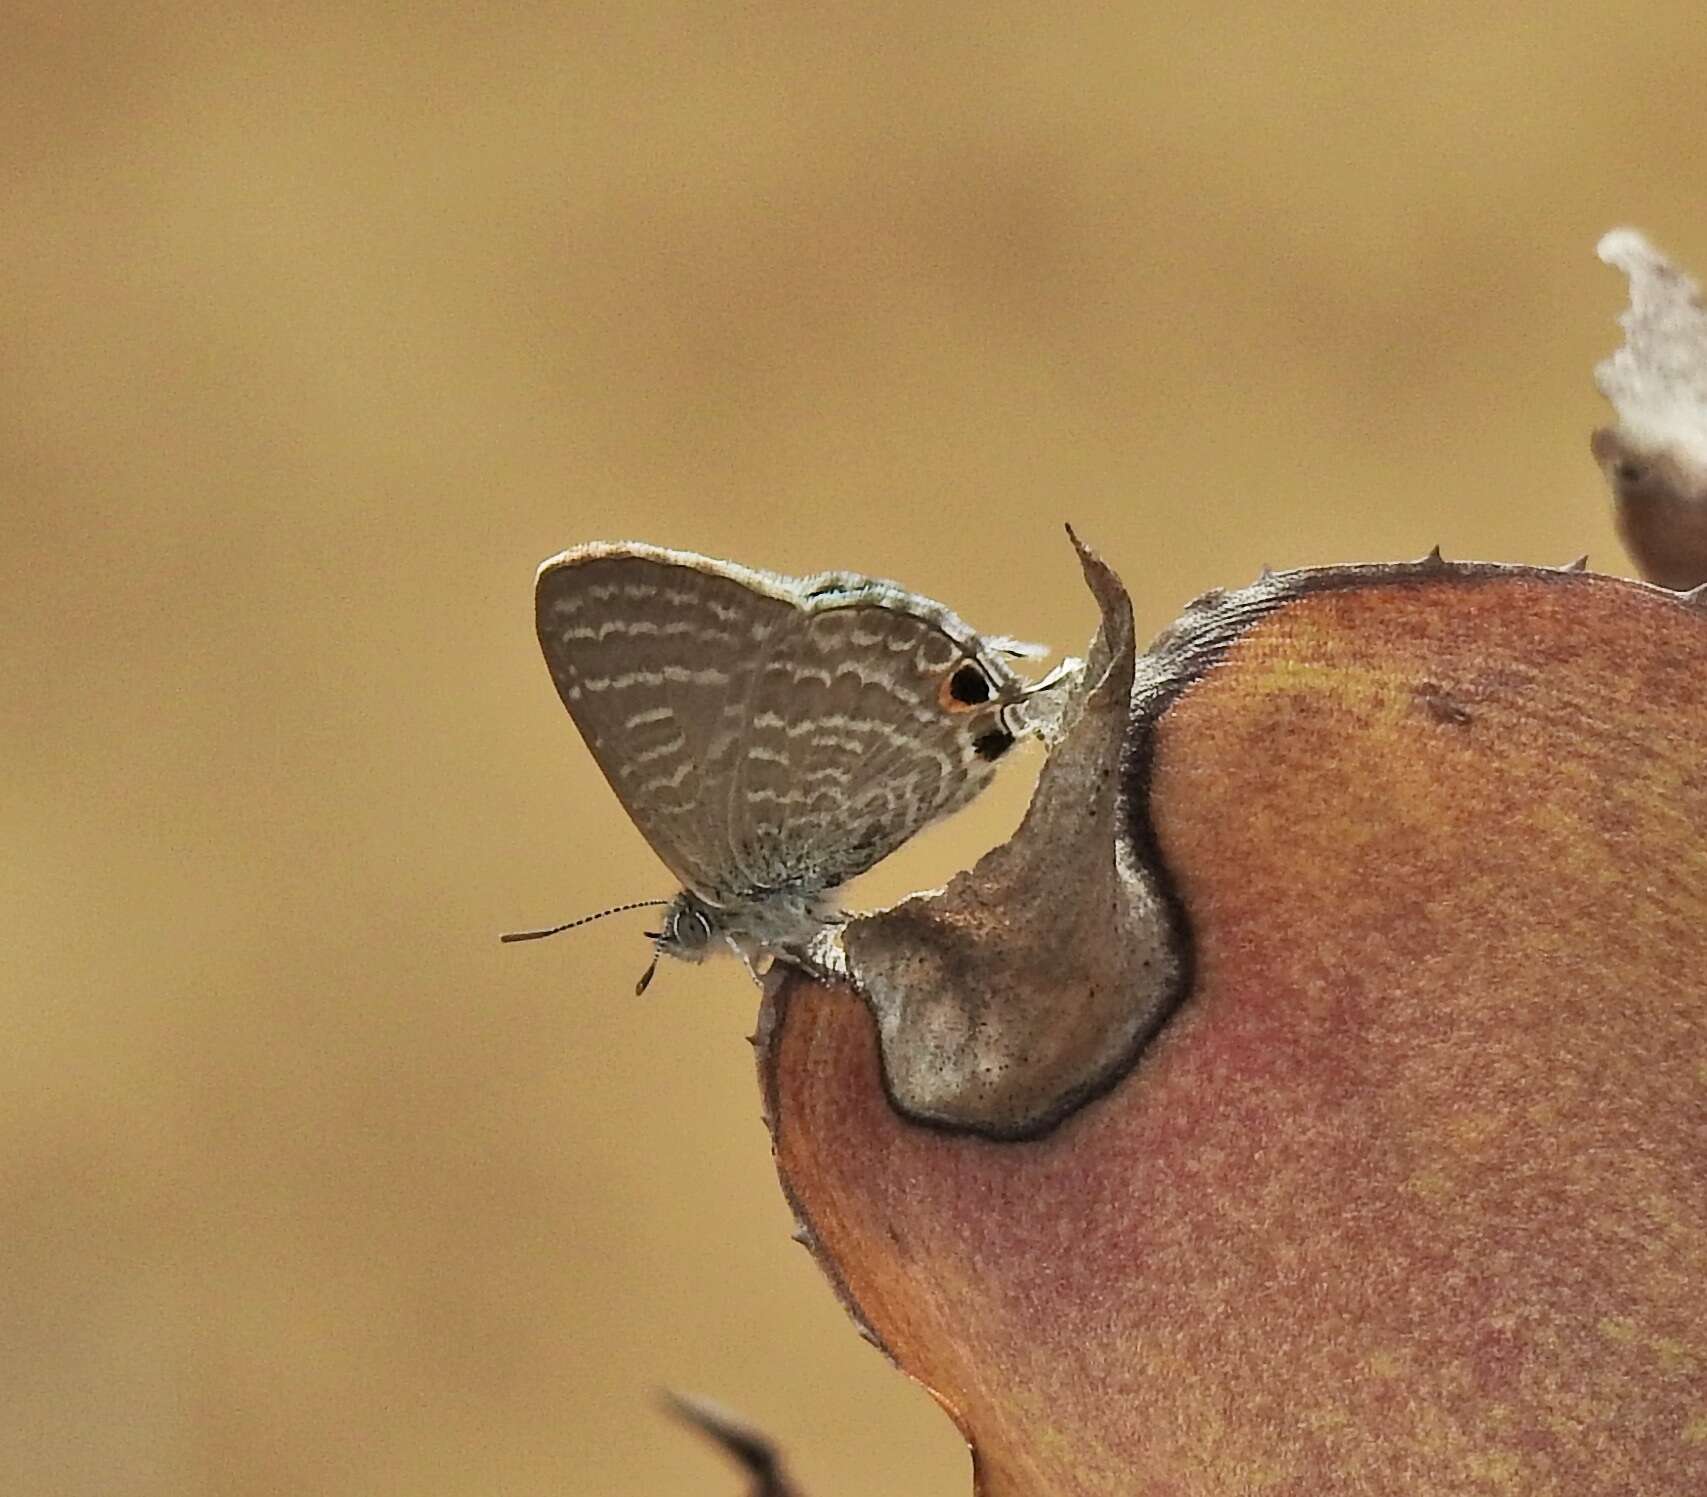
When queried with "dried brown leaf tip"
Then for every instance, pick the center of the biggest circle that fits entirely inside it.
(1655, 458)
(750, 1450)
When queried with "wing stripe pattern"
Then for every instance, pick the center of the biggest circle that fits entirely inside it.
(770, 737)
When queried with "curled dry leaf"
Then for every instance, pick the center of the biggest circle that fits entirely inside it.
(999, 1024)
(1406, 1188)
(1655, 458)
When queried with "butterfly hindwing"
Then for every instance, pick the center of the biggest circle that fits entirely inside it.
(850, 748)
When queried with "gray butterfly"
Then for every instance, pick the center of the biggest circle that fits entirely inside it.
(773, 737)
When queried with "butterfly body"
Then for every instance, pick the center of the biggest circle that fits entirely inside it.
(692, 930)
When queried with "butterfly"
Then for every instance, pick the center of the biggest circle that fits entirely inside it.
(772, 737)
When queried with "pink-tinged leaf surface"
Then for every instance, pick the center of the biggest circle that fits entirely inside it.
(1409, 1192)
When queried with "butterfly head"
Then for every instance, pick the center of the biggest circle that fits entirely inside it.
(688, 932)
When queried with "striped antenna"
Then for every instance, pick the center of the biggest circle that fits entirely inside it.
(615, 909)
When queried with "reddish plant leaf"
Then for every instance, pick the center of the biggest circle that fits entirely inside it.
(1408, 1190)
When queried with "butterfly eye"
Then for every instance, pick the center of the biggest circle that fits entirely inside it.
(965, 687)
(690, 928)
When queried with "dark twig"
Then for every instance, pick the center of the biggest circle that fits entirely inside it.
(746, 1446)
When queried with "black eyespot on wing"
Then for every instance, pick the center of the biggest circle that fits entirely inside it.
(993, 744)
(969, 686)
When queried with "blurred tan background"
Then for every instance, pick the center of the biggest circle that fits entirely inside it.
(322, 325)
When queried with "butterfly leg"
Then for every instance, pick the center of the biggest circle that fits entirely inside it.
(752, 955)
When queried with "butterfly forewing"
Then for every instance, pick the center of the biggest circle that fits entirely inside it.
(654, 659)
